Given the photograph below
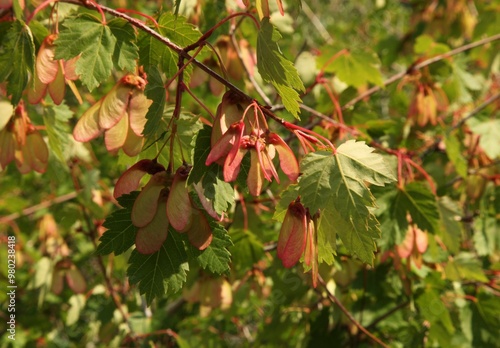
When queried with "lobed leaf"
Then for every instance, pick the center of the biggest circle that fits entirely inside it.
(120, 234)
(335, 186)
(276, 69)
(85, 35)
(126, 51)
(161, 273)
(216, 257)
(17, 59)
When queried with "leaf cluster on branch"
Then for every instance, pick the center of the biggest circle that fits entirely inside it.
(212, 147)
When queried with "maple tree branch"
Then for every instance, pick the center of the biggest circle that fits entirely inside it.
(478, 109)
(419, 66)
(37, 207)
(387, 314)
(335, 300)
(181, 52)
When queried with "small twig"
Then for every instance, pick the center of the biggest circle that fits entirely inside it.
(317, 23)
(387, 314)
(478, 109)
(335, 300)
(37, 207)
(421, 65)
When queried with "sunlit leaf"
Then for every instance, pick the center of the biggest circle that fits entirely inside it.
(126, 51)
(120, 234)
(87, 36)
(161, 273)
(56, 124)
(216, 257)
(335, 185)
(276, 69)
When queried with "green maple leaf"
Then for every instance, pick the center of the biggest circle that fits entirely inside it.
(219, 192)
(276, 69)
(120, 234)
(417, 200)
(215, 257)
(17, 59)
(155, 90)
(126, 51)
(356, 68)
(433, 309)
(56, 120)
(186, 128)
(334, 184)
(87, 36)
(201, 148)
(160, 273)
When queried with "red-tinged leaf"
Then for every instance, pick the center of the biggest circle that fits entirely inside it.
(421, 240)
(255, 179)
(35, 153)
(178, 203)
(146, 203)
(232, 170)
(114, 105)
(37, 91)
(138, 108)
(288, 161)
(223, 145)
(200, 233)
(87, 127)
(21, 160)
(57, 282)
(311, 255)
(115, 137)
(46, 67)
(405, 248)
(8, 146)
(130, 179)
(75, 280)
(215, 86)
(268, 165)
(205, 202)
(150, 238)
(133, 143)
(292, 238)
(280, 7)
(229, 112)
(57, 88)
(70, 69)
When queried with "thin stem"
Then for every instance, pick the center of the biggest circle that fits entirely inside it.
(478, 109)
(387, 314)
(35, 208)
(335, 300)
(210, 31)
(166, 41)
(419, 66)
(254, 83)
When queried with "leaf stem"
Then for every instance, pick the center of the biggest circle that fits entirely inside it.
(335, 300)
(419, 66)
